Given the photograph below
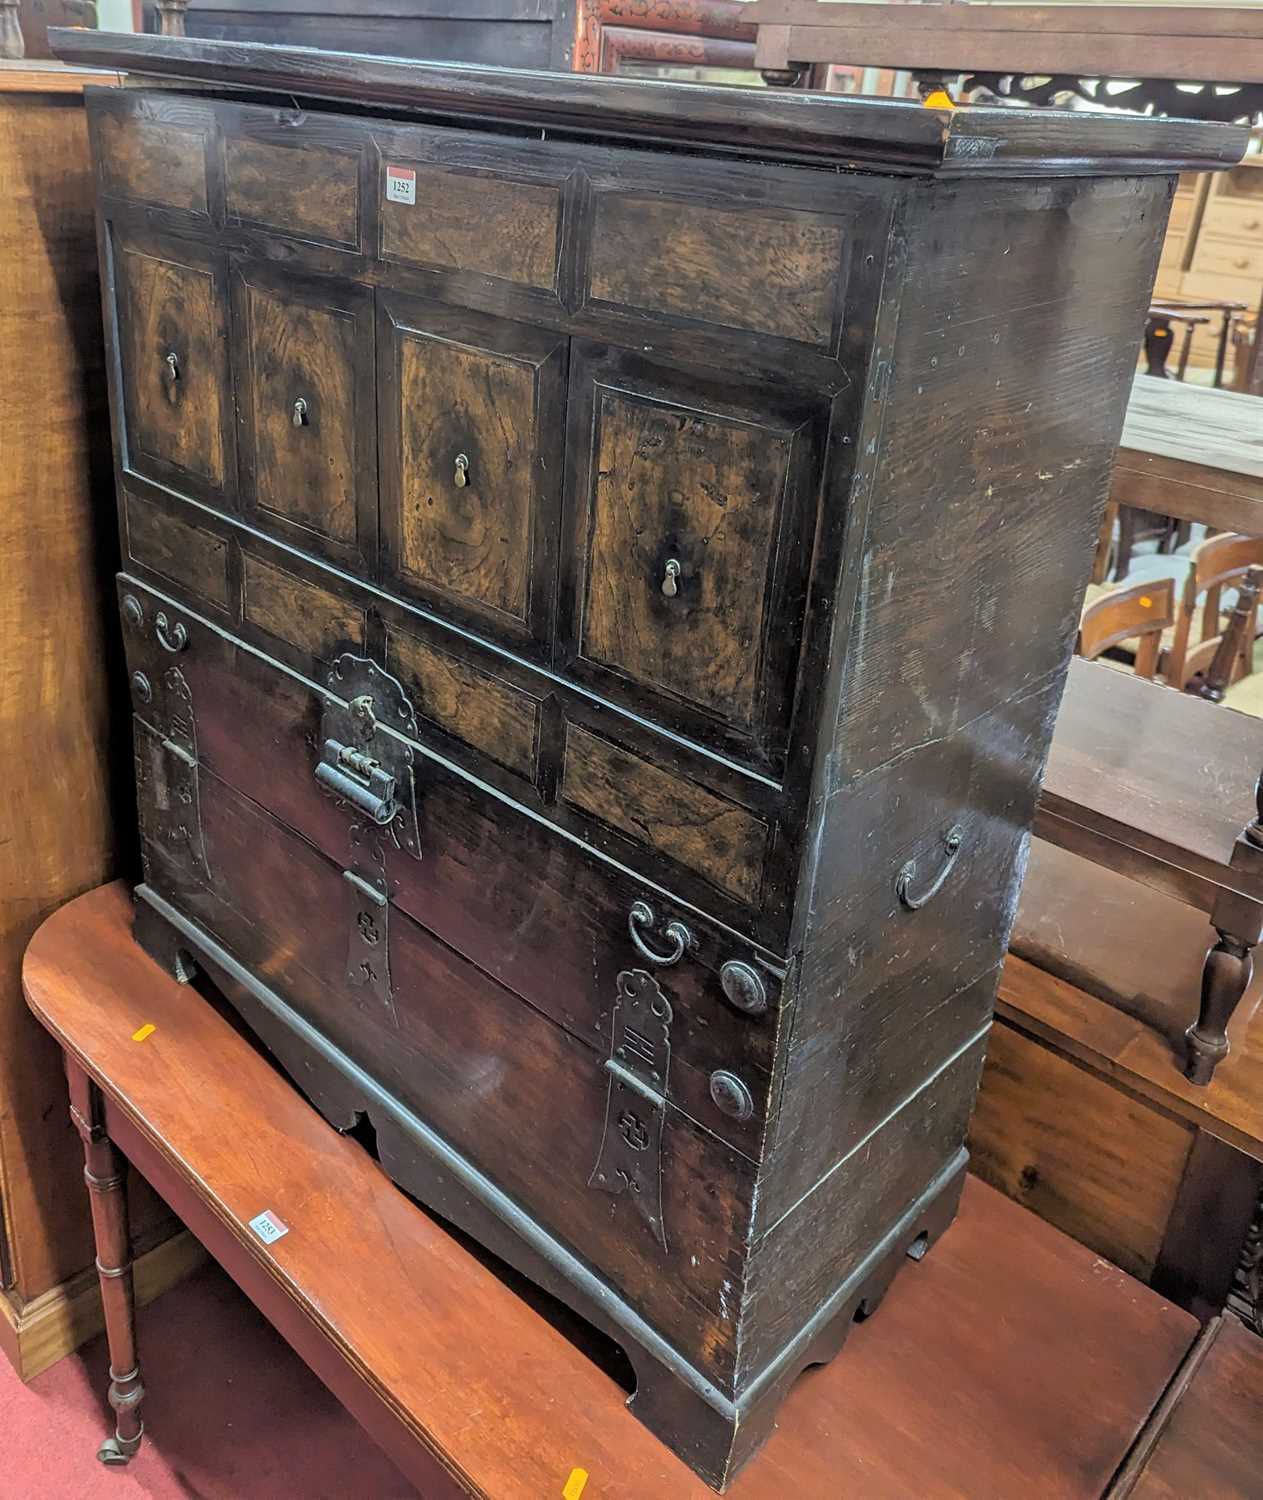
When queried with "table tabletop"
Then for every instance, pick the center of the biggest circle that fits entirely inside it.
(1192, 452)
(1155, 776)
(1010, 1362)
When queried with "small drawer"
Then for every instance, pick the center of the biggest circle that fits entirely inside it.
(479, 709)
(1182, 206)
(171, 324)
(319, 623)
(1228, 257)
(1236, 217)
(1173, 248)
(152, 150)
(291, 179)
(187, 555)
(720, 840)
(1221, 287)
(454, 204)
(304, 383)
(778, 272)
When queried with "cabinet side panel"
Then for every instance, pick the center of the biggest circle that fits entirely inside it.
(1020, 317)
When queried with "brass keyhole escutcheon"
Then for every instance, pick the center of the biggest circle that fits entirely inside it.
(300, 413)
(669, 576)
(462, 471)
(171, 375)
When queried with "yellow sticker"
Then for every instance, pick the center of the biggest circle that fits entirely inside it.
(1145, 601)
(147, 1030)
(939, 99)
(575, 1484)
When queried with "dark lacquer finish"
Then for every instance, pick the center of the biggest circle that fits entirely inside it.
(546, 726)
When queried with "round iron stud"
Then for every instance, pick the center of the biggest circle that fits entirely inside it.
(141, 687)
(743, 987)
(731, 1095)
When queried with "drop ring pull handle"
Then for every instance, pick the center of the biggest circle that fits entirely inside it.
(641, 915)
(670, 575)
(171, 637)
(299, 417)
(461, 477)
(952, 844)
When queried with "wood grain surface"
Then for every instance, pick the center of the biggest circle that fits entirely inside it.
(313, 619)
(483, 711)
(1213, 1443)
(484, 224)
(949, 1354)
(154, 162)
(305, 189)
(718, 839)
(173, 547)
(738, 269)
(63, 754)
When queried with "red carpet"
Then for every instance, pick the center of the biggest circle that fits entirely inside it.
(231, 1413)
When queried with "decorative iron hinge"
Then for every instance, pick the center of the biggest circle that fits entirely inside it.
(370, 772)
(167, 781)
(630, 1159)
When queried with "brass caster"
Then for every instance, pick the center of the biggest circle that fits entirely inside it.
(117, 1451)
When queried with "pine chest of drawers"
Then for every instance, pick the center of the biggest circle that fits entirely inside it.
(600, 562)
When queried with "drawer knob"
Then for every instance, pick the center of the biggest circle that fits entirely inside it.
(641, 915)
(730, 1095)
(461, 476)
(672, 571)
(299, 418)
(743, 987)
(903, 881)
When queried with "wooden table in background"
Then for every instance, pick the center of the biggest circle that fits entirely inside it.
(1011, 1362)
(1194, 453)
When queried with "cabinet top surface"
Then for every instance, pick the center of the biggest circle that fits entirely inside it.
(889, 134)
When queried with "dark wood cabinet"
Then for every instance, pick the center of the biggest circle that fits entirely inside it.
(598, 743)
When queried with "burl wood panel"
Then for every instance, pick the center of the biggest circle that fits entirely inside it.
(304, 471)
(307, 616)
(1101, 1165)
(470, 449)
(481, 710)
(716, 838)
(302, 191)
(186, 554)
(173, 309)
(739, 269)
(704, 491)
(478, 223)
(153, 161)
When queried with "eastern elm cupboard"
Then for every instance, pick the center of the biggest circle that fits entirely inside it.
(601, 559)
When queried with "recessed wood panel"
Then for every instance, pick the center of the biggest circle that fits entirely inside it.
(152, 160)
(304, 614)
(682, 521)
(483, 711)
(173, 342)
(301, 393)
(462, 221)
(716, 838)
(1092, 1160)
(188, 555)
(471, 439)
(302, 191)
(764, 274)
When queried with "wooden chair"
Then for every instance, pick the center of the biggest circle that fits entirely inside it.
(1140, 613)
(1219, 562)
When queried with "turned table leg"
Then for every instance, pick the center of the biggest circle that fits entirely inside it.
(1225, 975)
(105, 1174)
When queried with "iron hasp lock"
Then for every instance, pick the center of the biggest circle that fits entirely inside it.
(358, 779)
